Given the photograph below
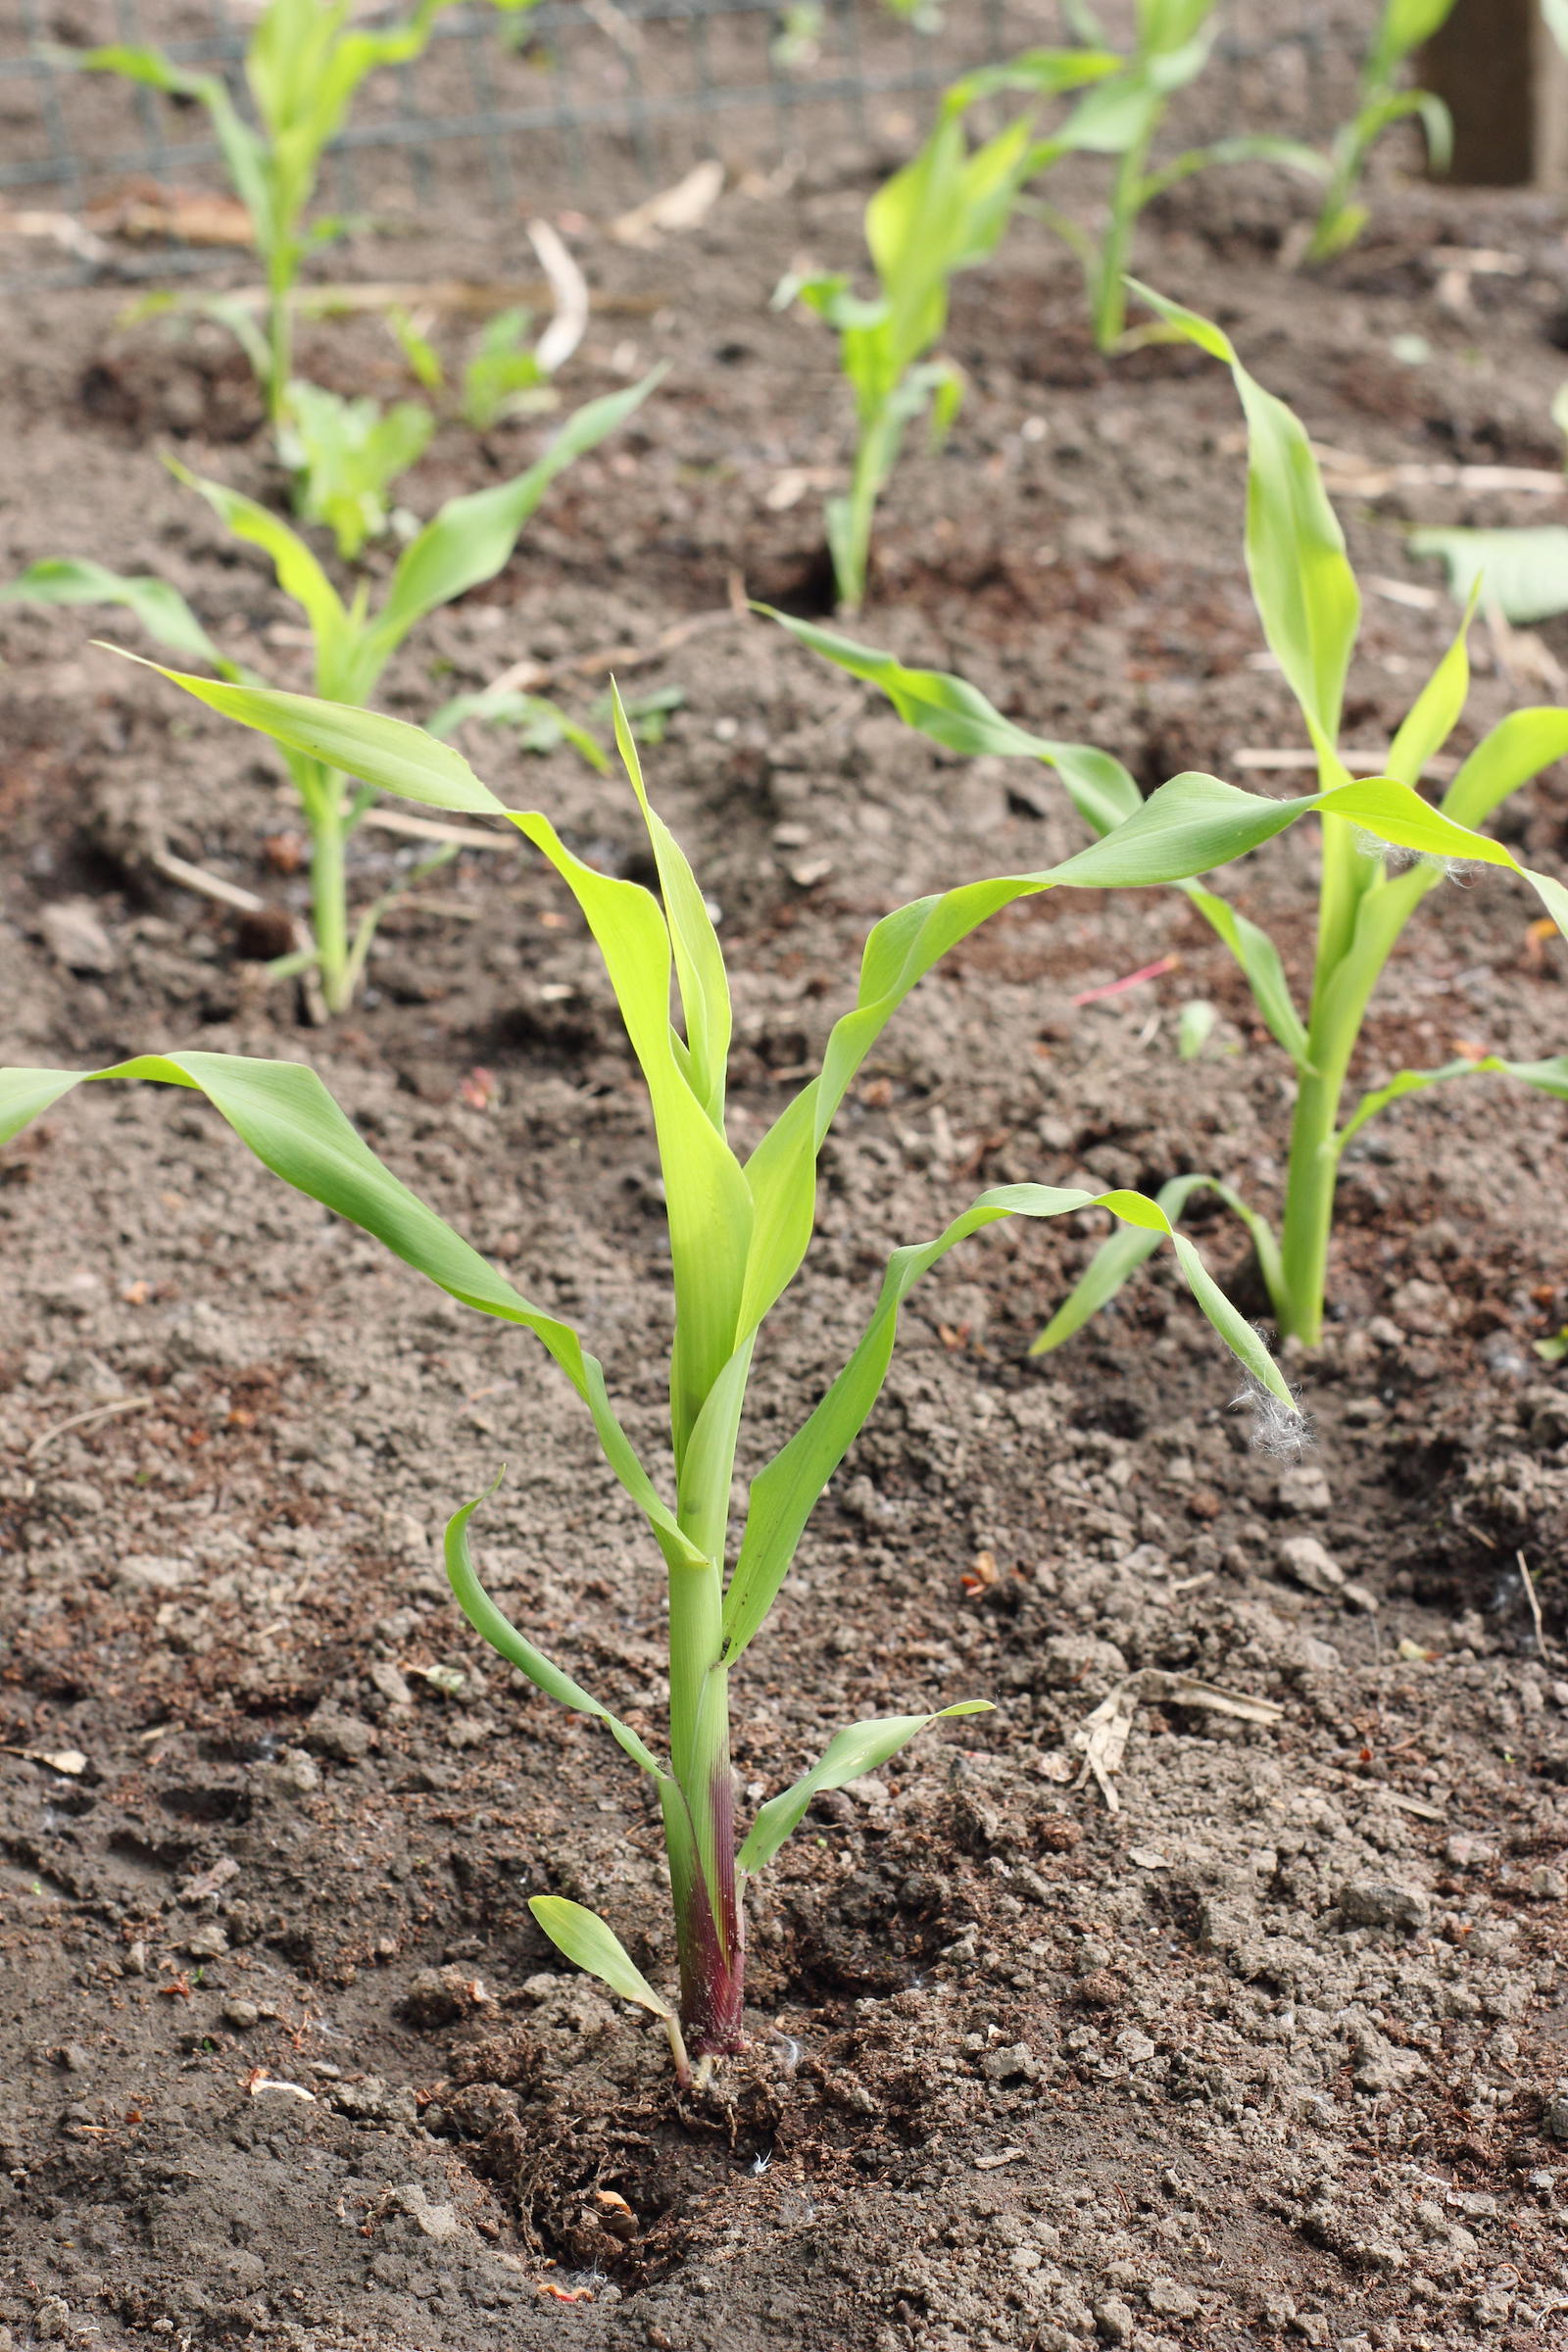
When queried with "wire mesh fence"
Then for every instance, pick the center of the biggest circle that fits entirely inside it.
(588, 102)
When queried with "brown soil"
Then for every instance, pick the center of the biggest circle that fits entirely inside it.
(1265, 2057)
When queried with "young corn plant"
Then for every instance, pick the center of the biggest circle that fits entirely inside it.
(1385, 848)
(941, 213)
(1120, 118)
(739, 1229)
(303, 65)
(467, 542)
(1402, 29)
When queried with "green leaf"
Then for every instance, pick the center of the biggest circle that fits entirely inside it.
(707, 1200)
(387, 753)
(1042, 73)
(1262, 148)
(1303, 583)
(162, 611)
(1436, 708)
(850, 1755)
(1548, 1077)
(597, 1950)
(289, 1120)
(784, 1494)
(243, 151)
(699, 959)
(1553, 1351)
(299, 574)
(345, 456)
(959, 717)
(473, 537)
(1120, 1257)
(1195, 1027)
(1259, 960)
(1523, 572)
(541, 724)
(1404, 25)
(503, 1637)
(1517, 749)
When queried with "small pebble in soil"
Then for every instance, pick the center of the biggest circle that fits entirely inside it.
(1385, 1903)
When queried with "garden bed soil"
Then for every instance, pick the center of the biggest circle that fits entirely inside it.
(1266, 2055)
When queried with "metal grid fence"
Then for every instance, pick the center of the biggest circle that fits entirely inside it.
(586, 101)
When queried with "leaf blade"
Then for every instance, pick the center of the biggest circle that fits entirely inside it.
(594, 1947)
(850, 1755)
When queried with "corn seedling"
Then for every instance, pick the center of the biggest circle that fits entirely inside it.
(941, 213)
(304, 64)
(467, 542)
(739, 1231)
(1402, 29)
(506, 374)
(1384, 849)
(344, 455)
(1120, 116)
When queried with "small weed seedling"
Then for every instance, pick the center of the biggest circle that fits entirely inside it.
(505, 373)
(344, 455)
(940, 213)
(468, 541)
(1385, 847)
(1402, 27)
(1120, 118)
(739, 1230)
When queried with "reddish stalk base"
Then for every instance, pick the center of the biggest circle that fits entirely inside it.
(712, 1965)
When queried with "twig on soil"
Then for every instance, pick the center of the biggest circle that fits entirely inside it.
(205, 885)
(1359, 761)
(527, 677)
(570, 288)
(427, 828)
(1353, 475)
(67, 1760)
(94, 1412)
(438, 294)
(1101, 1737)
(1529, 1584)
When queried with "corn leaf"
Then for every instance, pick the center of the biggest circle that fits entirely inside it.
(850, 1755)
(1042, 73)
(473, 537)
(699, 959)
(1548, 1077)
(243, 151)
(386, 752)
(1517, 749)
(1126, 1251)
(503, 1637)
(582, 1936)
(162, 611)
(1522, 570)
(784, 1494)
(1303, 583)
(708, 1201)
(1435, 710)
(1259, 960)
(959, 717)
(289, 1120)
(1262, 147)
(299, 574)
